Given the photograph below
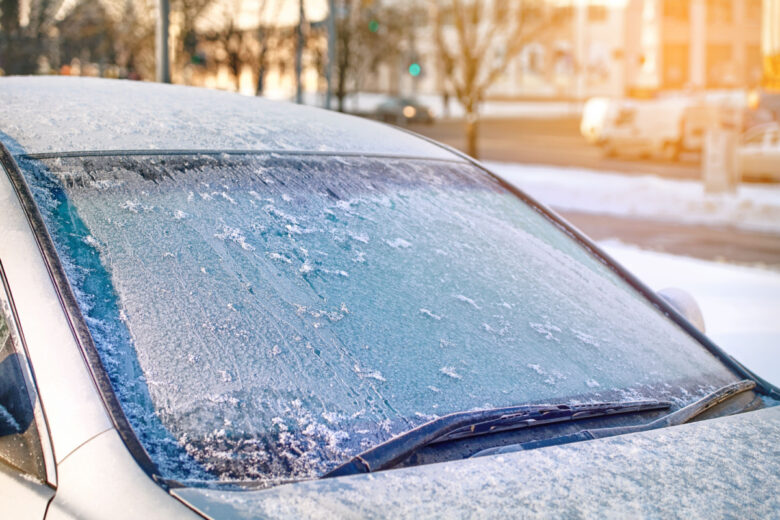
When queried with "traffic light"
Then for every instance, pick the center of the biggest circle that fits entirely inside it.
(373, 26)
(415, 69)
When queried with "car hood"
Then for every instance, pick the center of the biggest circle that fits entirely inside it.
(710, 469)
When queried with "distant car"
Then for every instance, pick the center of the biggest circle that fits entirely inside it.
(759, 154)
(403, 110)
(646, 128)
(222, 307)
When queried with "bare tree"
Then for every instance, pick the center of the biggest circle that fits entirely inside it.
(187, 14)
(254, 47)
(269, 36)
(350, 40)
(134, 31)
(476, 40)
(366, 37)
(22, 45)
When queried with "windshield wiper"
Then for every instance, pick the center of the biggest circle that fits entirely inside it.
(480, 422)
(681, 416)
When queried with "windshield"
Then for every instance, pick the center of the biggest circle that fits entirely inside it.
(266, 317)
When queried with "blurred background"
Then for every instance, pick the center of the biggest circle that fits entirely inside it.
(454, 62)
(652, 125)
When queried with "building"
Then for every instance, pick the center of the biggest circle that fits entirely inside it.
(770, 44)
(698, 43)
(623, 47)
(590, 48)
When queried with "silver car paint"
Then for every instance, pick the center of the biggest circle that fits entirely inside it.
(73, 407)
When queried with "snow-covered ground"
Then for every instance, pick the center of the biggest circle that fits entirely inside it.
(741, 305)
(754, 207)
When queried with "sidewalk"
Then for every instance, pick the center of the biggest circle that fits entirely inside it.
(753, 207)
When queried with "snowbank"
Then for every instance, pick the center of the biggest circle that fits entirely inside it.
(755, 208)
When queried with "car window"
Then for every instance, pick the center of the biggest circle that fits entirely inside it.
(265, 317)
(20, 445)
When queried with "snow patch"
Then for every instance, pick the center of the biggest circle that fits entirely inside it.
(754, 207)
(234, 235)
(430, 314)
(450, 372)
(466, 299)
(398, 243)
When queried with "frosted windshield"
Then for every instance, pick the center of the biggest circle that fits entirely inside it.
(266, 317)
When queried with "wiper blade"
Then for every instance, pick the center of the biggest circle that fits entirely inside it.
(681, 416)
(480, 422)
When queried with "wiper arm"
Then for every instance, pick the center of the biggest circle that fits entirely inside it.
(681, 416)
(480, 422)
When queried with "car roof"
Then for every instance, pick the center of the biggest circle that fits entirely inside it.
(50, 115)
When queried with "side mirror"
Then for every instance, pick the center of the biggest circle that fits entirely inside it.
(685, 304)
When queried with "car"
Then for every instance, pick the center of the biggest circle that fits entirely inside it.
(759, 153)
(403, 110)
(224, 307)
(645, 128)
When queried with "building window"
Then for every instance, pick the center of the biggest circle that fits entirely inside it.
(720, 66)
(597, 13)
(753, 65)
(675, 65)
(677, 9)
(720, 11)
(753, 11)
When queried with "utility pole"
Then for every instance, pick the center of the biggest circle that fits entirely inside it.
(331, 51)
(299, 56)
(163, 61)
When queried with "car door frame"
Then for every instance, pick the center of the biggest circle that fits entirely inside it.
(32, 493)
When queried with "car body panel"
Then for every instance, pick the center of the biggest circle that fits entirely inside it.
(21, 496)
(722, 467)
(102, 480)
(65, 387)
(77, 114)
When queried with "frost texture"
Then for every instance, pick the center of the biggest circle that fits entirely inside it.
(87, 114)
(246, 342)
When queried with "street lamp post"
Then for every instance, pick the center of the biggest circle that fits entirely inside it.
(299, 56)
(161, 41)
(331, 51)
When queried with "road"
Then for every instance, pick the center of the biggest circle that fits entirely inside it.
(558, 143)
(550, 141)
(720, 244)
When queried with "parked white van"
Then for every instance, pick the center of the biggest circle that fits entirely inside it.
(645, 128)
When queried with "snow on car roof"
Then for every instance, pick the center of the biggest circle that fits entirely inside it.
(60, 114)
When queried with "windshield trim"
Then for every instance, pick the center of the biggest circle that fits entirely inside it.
(100, 376)
(184, 151)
